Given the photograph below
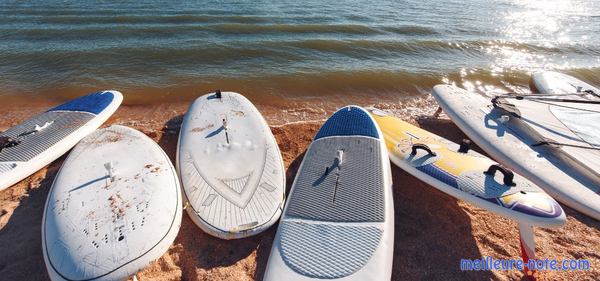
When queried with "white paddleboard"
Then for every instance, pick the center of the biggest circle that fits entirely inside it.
(40, 140)
(114, 207)
(493, 131)
(230, 167)
(556, 83)
(338, 222)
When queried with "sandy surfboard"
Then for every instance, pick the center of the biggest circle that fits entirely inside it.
(114, 207)
(338, 222)
(35, 143)
(230, 167)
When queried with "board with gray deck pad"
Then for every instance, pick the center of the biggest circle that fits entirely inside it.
(41, 139)
(230, 167)
(109, 216)
(338, 222)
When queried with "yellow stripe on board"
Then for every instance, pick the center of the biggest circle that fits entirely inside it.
(400, 135)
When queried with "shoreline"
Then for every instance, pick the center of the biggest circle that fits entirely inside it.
(433, 230)
(276, 112)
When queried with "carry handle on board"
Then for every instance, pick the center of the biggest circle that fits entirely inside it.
(417, 146)
(508, 174)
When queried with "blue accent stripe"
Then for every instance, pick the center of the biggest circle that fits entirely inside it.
(439, 174)
(449, 179)
(349, 121)
(443, 176)
(493, 200)
(530, 210)
(92, 103)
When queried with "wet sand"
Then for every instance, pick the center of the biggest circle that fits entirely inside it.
(433, 231)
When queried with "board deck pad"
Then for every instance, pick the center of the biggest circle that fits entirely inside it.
(318, 198)
(33, 143)
(327, 251)
(5, 167)
(106, 220)
(462, 175)
(338, 222)
(493, 130)
(230, 166)
(47, 136)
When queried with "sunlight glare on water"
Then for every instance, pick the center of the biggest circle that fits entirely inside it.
(536, 35)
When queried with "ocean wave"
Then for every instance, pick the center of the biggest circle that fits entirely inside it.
(233, 28)
(148, 19)
(411, 30)
(383, 48)
(344, 39)
(176, 49)
(112, 57)
(99, 32)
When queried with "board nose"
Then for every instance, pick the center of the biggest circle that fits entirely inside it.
(92, 103)
(349, 121)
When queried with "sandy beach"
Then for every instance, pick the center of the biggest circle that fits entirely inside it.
(433, 231)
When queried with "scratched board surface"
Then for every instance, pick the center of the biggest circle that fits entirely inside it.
(108, 216)
(230, 165)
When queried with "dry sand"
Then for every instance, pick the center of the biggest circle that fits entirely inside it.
(433, 231)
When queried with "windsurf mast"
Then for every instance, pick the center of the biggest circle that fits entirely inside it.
(545, 97)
